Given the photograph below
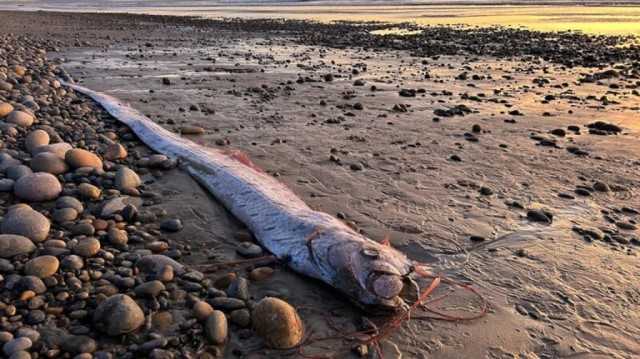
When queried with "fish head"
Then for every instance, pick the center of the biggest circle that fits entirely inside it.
(378, 276)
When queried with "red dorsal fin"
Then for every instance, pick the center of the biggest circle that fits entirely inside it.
(244, 159)
(387, 240)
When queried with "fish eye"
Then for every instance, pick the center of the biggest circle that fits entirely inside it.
(370, 253)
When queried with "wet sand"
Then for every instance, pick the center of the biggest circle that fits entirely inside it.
(458, 169)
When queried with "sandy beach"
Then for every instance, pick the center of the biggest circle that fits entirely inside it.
(506, 159)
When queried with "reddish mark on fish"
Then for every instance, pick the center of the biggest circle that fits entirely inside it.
(243, 158)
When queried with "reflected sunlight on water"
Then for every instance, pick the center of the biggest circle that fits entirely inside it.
(608, 20)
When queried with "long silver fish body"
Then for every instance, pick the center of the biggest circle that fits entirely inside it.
(310, 242)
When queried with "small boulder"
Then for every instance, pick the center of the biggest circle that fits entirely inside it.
(5, 109)
(59, 149)
(216, 328)
(118, 314)
(77, 158)
(38, 187)
(42, 267)
(48, 162)
(115, 151)
(87, 247)
(23, 220)
(36, 139)
(12, 245)
(20, 118)
(277, 323)
(126, 178)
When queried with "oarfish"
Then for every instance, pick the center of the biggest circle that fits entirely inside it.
(310, 242)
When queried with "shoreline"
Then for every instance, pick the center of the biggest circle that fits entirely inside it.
(490, 168)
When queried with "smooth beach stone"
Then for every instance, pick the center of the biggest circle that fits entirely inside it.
(5, 86)
(202, 310)
(48, 162)
(78, 158)
(70, 202)
(38, 187)
(7, 161)
(25, 221)
(191, 130)
(171, 225)
(19, 70)
(241, 317)
(17, 172)
(149, 289)
(32, 283)
(62, 215)
(117, 237)
(59, 149)
(126, 178)
(118, 314)
(5, 109)
(77, 344)
(6, 185)
(87, 247)
(12, 245)
(72, 262)
(20, 118)
(115, 151)
(260, 274)
(154, 264)
(42, 267)
(216, 328)
(117, 204)
(36, 139)
(278, 323)
(16, 345)
(89, 191)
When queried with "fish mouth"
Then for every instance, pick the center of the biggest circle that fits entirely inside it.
(392, 291)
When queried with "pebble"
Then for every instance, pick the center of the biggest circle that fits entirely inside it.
(48, 162)
(539, 215)
(77, 158)
(115, 151)
(69, 202)
(20, 118)
(241, 318)
(227, 304)
(260, 273)
(77, 344)
(149, 289)
(117, 237)
(42, 267)
(216, 328)
(6, 185)
(89, 191)
(118, 204)
(118, 314)
(36, 139)
(126, 178)
(5, 109)
(62, 215)
(38, 187)
(59, 149)
(249, 250)
(202, 310)
(155, 264)
(12, 245)
(191, 130)
(24, 221)
(16, 345)
(171, 225)
(86, 248)
(278, 323)
(72, 262)
(17, 172)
